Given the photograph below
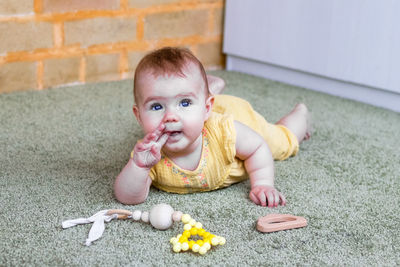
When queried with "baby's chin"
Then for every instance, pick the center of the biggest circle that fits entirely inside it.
(174, 148)
(180, 146)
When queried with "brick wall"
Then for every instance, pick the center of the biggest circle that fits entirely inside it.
(49, 43)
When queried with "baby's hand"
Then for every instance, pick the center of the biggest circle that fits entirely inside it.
(147, 152)
(263, 194)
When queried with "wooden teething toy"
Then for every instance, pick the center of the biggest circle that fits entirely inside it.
(161, 217)
(279, 222)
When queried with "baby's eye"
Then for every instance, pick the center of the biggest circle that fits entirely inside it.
(186, 102)
(156, 106)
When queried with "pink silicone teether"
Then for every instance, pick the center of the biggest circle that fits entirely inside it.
(278, 222)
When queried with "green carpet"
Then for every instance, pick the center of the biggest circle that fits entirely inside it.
(61, 150)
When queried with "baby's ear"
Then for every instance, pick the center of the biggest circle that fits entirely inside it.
(209, 105)
(136, 113)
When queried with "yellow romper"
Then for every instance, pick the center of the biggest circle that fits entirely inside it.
(218, 167)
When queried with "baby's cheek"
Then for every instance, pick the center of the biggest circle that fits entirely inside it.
(150, 124)
(194, 127)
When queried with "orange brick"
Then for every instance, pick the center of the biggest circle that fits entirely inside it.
(175, 24)
(17, 76)
(25, 36)
(76, 5)
(210, 55)
(99, 30)
(134, 58)
(148, 3)
(218, 14)
(104, 67)
(16, 7)
(60, 71)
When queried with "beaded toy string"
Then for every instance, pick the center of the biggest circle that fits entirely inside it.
(161, 217)
(192, 228)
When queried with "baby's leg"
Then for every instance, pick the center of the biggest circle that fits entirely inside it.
(215, 84)
(298, 121)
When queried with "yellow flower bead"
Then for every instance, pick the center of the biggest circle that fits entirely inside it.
(207, 246)
(193, 231)
(177, 247)
(183, 239)
(214, 241)
(200, 242)
(202, 250)
(186, 233)
(185, 246)
(191, 243)
(186, 218)
(201, 231)
(187, 227)
(206, 234)
(195, 248)
(192, 222)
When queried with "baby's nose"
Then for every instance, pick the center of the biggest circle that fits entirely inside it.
(170, 117)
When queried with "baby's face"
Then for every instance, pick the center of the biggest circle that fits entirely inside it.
(178, 102)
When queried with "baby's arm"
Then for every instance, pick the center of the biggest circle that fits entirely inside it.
(133, 183)
(252, 148)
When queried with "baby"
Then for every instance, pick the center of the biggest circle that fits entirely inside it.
(197, 140)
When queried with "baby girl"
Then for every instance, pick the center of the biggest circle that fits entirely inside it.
(197, 140)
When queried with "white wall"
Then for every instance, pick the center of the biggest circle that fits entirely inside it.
(335, 46)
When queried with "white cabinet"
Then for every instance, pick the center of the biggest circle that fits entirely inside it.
(346, 48)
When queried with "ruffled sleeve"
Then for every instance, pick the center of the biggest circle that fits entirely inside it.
(221, 128)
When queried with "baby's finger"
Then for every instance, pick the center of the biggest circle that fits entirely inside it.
(150, 137)
(263, 199)
(271, 199)
(155, 151)
(283, 199)
(254, 198)
(140, 147)
(155, 135)
(162, 140)
(159, 130)
(276, 199)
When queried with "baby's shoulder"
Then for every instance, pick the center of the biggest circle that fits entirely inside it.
(218, 122)
(219, 131)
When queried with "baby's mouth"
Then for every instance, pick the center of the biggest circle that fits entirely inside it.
(173, 133)
(174, 136)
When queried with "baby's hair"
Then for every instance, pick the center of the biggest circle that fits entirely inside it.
(168, 61)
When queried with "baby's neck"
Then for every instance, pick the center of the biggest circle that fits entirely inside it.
(188, 159)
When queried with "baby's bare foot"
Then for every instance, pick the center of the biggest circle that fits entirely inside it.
(302, 109)
(298, 121)
(215, 84)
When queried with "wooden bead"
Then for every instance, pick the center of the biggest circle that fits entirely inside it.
(145, 217)
(161, 216)
(136, 215)
(176, 216)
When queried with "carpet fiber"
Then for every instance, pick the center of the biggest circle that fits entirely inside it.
(61, 150)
